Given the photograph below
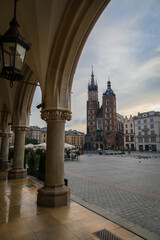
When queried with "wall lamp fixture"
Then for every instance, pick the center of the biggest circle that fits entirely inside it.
(13, 51)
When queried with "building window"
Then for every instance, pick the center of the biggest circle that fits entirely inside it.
(139, 122)
(151, 120)
(140, 140)
(145, 121)
(132, 138)
(146, 140)
(139, 127)
(152, 132)
(131, 130)
(152, 126)
(145, 126)
(107, 102)
(126, 126)
(131, 125)
(127, 138)
(153, 139)
(126, 131)
(99, 124)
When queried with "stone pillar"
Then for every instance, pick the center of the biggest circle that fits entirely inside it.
(4, 148)
(5, 145)
(18, 170)
(54, 193)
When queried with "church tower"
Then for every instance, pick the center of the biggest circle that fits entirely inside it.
(92, 106)
(109, 116)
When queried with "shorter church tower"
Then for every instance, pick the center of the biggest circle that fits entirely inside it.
(109, 116)
(92, 106)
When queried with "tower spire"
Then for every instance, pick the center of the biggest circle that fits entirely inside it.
(92, 86)
(109, 83)
(92, 77)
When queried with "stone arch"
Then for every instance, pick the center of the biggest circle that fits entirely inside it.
(76, 24)
(23, 98)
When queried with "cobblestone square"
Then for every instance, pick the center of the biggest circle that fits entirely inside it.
(123, 188)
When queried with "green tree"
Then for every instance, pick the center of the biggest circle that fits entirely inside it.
(42, 165)
(33, 141)
(33, 161)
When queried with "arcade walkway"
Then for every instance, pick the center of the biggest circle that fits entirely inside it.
(22, 219)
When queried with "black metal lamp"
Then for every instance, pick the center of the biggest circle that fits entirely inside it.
(13, 50)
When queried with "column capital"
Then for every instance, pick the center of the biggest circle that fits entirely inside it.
(5, 134)
(20, 128)
(50, 115)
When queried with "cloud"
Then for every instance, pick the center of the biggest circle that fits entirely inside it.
(124, 45)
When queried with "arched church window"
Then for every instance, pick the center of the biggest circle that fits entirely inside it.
(99, 123)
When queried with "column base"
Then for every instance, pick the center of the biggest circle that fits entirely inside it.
(53, 196)
(3, 175)
(17, 173)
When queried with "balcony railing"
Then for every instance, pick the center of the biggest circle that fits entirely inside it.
(145, 129)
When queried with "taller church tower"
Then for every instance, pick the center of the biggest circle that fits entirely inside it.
(92, 106)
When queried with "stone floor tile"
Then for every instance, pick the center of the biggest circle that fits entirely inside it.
(135, 238)
(18, 228)
(30, 236)
(64, 233)
(47, 235)
(41, 222)
(122, 233)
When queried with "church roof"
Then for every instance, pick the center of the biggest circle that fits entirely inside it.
(109, 91)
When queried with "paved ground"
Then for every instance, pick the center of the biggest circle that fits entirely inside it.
(124, 189)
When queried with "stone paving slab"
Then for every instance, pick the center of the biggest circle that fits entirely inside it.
(124, 189)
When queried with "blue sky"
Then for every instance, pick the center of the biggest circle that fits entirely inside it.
(124, 46)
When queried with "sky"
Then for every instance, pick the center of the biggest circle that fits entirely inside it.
(123, 46)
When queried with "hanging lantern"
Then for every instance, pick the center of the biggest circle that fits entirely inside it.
(13, 51)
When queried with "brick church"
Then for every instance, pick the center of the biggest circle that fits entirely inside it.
(104, 124)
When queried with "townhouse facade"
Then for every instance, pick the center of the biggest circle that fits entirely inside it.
(147, 131)
(129, 133)
(75, 138)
